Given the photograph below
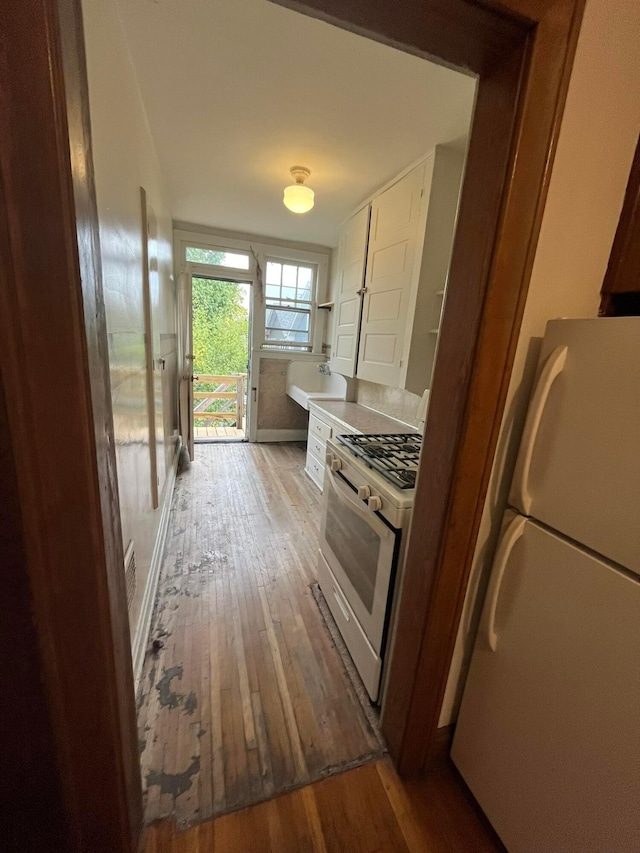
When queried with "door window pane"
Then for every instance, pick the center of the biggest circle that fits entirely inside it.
(217, 257)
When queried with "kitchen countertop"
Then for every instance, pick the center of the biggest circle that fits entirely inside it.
(360, 418)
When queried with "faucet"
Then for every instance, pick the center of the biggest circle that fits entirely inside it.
(324, 368)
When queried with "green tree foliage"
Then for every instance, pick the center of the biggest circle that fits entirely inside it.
(220, 327)
(220, 332)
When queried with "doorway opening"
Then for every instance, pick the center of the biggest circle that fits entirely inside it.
(221, 320)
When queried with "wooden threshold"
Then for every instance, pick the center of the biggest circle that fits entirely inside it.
(366, 809)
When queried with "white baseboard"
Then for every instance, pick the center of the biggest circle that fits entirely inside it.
(141, 634)
(281, 434)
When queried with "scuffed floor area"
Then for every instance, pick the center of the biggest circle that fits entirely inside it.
(248, 696)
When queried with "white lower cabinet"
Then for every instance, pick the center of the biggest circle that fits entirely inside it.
(316, 447)
(315, 469)
(321, 427)
(319, 431)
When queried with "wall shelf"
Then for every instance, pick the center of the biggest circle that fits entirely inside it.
(326, 305)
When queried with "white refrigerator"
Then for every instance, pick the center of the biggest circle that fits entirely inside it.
(548, 736)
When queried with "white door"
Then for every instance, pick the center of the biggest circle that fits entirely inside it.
(547, 738)
(185, 361)
(578, 468)
(352, 254)
(393, 257)
(153, 379)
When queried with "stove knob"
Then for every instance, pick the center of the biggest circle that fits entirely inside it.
(374, 503)
(336, 464)
(364, 492)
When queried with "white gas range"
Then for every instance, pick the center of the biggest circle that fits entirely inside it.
(368, 500)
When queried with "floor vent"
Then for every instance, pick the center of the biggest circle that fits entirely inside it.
(130, 572)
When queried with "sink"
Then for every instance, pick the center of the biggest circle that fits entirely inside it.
(305, 383)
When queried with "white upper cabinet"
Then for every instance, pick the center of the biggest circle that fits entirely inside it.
(388, 307)
(352, 254)
(394, 244)
(428, 284)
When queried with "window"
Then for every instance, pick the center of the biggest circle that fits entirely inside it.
(217, 257)
(288, 294)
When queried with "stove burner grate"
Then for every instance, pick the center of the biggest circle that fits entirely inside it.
(396, 457)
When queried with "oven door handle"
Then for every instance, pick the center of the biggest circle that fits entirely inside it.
(344, 492)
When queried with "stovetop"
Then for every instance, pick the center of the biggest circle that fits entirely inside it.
(394, 456)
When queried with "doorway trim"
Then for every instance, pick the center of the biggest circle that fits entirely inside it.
(522, 50)
(260, 249)
(54, 358)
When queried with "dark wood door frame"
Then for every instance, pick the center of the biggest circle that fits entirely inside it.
(54, 376)
(53, 355)
(522, 52)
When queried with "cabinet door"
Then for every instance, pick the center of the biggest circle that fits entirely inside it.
(395, 243)
(352, 253)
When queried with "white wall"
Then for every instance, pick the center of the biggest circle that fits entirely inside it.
(125, 160)
(597, 140)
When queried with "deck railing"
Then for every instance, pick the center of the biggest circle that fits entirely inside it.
(227, 393)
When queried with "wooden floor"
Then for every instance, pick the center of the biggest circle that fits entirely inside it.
(248, 697)
(366, 810)
(211, 433)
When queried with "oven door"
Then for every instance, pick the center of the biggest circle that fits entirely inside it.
(360, 549)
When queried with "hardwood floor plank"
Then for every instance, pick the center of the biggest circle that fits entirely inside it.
(203, 838)
(242, 670)
(279, 744)
(235, 757)
(215, 723)
(205, 780)
(263, 746)
(355, 813)
(313, 819)
(301, 772)
(412, 830)
(249, 631)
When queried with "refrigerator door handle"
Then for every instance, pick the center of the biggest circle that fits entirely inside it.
(553, 367)
(514, 531)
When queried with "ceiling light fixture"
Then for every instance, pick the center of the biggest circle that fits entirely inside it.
(297, 197)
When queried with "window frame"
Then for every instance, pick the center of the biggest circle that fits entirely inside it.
(259, 248)
(312, 303)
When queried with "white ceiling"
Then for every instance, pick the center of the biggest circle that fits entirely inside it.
(238, 91)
